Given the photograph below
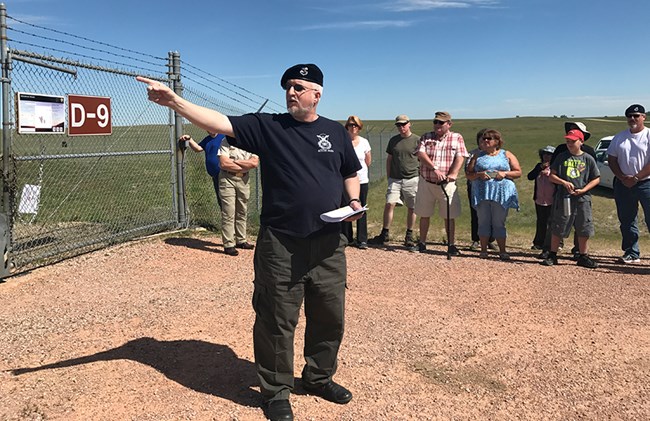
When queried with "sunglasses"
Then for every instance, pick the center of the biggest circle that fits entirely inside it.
(352, 125)
(402, 124)
(298, 88)
(488, 138)
(633, 115)
(438, 122)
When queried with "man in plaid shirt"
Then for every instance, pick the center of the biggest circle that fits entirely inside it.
(441, 153)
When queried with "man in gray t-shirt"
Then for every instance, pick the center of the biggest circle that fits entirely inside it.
(402, 168)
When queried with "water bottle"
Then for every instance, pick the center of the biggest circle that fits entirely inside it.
(566, 205)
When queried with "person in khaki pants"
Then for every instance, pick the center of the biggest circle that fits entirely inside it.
(234, 190)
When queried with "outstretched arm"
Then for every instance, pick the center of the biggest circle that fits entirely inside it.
(207, 119)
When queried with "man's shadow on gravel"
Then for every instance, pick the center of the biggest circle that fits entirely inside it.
(193, 243)
(201, 366)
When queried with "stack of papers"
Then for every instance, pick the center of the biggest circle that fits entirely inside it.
(337, 215)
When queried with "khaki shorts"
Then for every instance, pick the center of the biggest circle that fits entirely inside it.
(430, 195)
(404, 189)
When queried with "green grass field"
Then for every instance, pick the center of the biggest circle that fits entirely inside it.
(523, 136)
(115, 190)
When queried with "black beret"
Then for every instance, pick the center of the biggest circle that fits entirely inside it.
(634, 108)
(309, 72)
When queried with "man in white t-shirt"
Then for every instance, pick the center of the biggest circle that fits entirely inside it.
(629, 160)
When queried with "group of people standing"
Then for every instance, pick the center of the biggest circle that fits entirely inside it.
(422, 174)
(310, 162)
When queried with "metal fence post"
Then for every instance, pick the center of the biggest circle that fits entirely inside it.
(179, 188)
(381, 148)
(5, 212)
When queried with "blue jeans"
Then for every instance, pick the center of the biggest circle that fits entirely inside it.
(491, 219)
(627, 207)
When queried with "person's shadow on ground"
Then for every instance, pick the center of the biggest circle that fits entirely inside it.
(201, 366)
(193, 243)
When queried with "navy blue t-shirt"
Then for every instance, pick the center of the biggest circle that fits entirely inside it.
(210, 147)
(302, 166)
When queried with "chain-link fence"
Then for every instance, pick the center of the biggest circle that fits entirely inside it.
(69, 194)
(64, 195)
(378, 137)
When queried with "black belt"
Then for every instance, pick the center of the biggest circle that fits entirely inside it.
(236, 174)
(437, 183)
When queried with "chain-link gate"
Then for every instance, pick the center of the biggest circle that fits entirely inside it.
(67, 195)
(91, 190)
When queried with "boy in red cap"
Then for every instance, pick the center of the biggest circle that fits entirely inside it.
(575, 173)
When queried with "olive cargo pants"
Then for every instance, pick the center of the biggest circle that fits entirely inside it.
(288, 271)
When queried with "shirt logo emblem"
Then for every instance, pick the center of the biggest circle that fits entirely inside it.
(324, 143)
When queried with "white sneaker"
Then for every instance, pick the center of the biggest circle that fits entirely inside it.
(628, 258)
(475, 246)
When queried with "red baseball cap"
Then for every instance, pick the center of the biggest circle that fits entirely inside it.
(575, 134)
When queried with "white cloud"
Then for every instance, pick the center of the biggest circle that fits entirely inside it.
(33, 19)
(414, 5)
(373, 24)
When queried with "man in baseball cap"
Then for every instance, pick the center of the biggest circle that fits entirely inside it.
(402, 166)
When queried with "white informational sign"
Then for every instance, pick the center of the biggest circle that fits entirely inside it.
(29, 199)
(39, 113)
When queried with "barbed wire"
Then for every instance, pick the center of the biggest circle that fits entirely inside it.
(203, 76)
(225, 81)
(82, 46)
(86, 56)
(84, 38)
(215, 102)
(225, 95)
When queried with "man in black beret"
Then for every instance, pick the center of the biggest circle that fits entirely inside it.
(629, 159)
(308, 161)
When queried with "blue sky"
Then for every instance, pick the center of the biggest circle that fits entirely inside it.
(473, 58)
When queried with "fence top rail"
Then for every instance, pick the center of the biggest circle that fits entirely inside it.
(21, 53)
(90, 155)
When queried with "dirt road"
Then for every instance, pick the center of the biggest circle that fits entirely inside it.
(161, 330)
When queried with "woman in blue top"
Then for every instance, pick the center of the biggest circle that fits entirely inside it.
(493, 192)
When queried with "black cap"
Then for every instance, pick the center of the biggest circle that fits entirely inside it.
(634, 108)
(309, 72)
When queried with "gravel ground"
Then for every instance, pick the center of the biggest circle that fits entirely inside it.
(161, 330)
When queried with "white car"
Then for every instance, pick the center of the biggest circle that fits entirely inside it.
(606, 174)
(603, 143)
